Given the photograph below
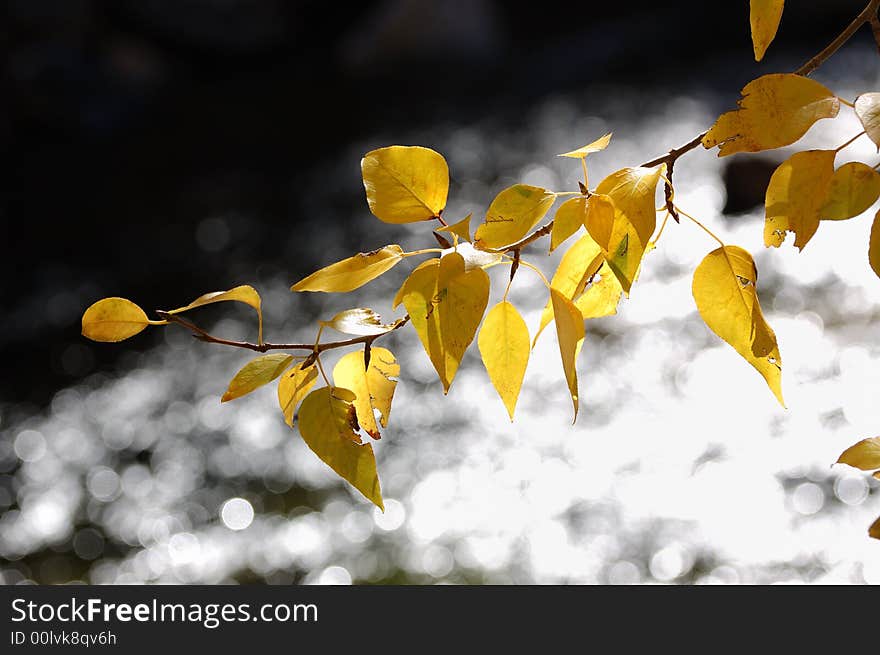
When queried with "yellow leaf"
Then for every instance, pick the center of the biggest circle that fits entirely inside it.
(599, 144)
(352, 272)
(602, 296)
(776, 110)
(764, 18)
(373, 387)
(462, 229)
(621, 244)
(633, 191)
(725, 289)
(854, 187)
(874, 245)
(360, 322)
(868, 111)
(256, 373)
(504, 347)
(328, 424)
(113, 319)
(570, 332)
(245, 294)
(795, 197)
(405, 184)
(293, 387)
(512, 215)
(570, 217)
(578, 264)
(421, 275)
(864, 455)
(445, 303)
(474, 258)
(874, 530)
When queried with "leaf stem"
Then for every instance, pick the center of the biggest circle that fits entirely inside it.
(700, 225)
(537, 270)
(424, 251)
(838, 149)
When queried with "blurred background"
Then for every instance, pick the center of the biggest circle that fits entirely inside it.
(158, 150)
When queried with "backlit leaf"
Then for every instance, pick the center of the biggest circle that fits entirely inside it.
(352, 272)
(796, 195)
(570, 333)
(474, 258)
(864, 455)
(874, 245)
(579, 263)
(764, 18)
(776, 110)
(405, 184)
(373, 387)
(328, 424)
(256, 373)
(599, 144)
(512, 215)
(570, 217)
(621, 243)
(504, 347)
(462, 229)
(293, 387)
(724, 288)
(421, 276)
(633, 191)
(854, 188)
(360, 322)
(245, 294)
(113, 319)
(868, 111)
(445, 303)
(602, 295)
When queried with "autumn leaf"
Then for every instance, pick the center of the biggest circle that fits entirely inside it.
(579, 263)
(512, 215)
(601, 296)
(867, 108)
(596, 146)
(474, 258)
(405, 184)
(764, 18)
(621, 244)
(864, 455)
(359, 322)
(255, 374)
(352, 272)
(570, 333)
(245, 294)
(293, 387)
(328, 424)
(462, 229)
(445, 303)
(874, 245)
(725, 290)
(113, 319)
(504, 347)
(853, 189)
(420, 277)
(795, 197)
(373, 387)
(776, 110)
(570, 217)
(633, 190)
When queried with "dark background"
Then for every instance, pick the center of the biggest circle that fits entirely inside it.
(126, 124)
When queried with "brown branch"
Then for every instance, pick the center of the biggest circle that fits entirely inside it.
(865, 17)
(203, 335)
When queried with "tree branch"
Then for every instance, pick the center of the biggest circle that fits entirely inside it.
(868, 16)
(203, 335)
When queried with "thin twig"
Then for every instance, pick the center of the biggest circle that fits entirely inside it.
(867, 16)
(203, 335)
